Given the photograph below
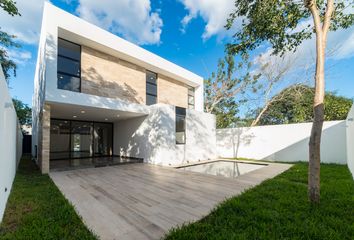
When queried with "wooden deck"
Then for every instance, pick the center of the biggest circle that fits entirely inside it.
(142, 201)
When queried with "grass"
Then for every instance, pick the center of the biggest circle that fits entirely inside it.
(37, 210)
(279, 209)
(276, 209)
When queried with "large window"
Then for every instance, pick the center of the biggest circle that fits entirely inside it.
(151, 88)
(80, 139)
(191, 98)
(69, 66)
(180, 125)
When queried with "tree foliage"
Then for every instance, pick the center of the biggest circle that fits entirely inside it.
(295, 106)
(226, 113)
(9, 6)
(23, 111)
(282, 23)
(225, 87)
(285, 24)
(7, 64)
(7, 40)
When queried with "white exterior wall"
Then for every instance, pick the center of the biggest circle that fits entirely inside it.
(288, 142)
(39, 85)
(10, 143)
(70, 27)
(350, 140)
(200, 136)
(152, 137)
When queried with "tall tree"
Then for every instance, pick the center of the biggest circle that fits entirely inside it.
(7, 40)
(225, 86)
(284, 24)
(295, 106)
(274, 73)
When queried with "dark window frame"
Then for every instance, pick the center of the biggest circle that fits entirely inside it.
(70, 121)
(151, 84)
(191, 95)
(72, 59)
(181, 113)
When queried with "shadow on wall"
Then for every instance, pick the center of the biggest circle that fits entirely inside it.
(236, 136)
(283, 142)
(94, 83)
(149, 137)
(153, 137)
(54, 94)
(200, 137)
(333, 147)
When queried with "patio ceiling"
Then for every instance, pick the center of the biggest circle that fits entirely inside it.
(79, 112)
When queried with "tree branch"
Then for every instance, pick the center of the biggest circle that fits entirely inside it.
(327, 18)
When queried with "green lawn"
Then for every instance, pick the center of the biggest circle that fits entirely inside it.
(278, 209)
(37, 210)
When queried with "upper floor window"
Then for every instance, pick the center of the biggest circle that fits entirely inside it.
(151, 88)
(191, 97)
(180, 125)
(69, 65)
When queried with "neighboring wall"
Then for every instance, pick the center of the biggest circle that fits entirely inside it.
(288, 142)
(107, 76)
(350, 140)
(10, 143)
(152, 137)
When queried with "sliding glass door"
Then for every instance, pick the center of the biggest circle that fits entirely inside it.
(103, 139)
(59, 139)
(80, 139)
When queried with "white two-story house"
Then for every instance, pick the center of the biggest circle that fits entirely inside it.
(101, 99)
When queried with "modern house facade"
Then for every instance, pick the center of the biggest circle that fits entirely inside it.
(97, 95)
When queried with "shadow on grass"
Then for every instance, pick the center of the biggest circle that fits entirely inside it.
(36, 209)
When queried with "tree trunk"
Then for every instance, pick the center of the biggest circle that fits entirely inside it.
(316, 131)
(258, 118)
(318, 106)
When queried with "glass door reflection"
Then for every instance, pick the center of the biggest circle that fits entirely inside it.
(103, 139)
(81, 139)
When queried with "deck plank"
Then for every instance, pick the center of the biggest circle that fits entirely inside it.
(142, 201)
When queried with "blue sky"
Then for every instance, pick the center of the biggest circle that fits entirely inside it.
(189, 33)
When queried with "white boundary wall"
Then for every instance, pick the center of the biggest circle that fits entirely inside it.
(350, 140)
(10, 143)
(287, 142)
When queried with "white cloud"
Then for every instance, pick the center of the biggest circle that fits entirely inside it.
(213, 12)
(132, 19)
(27, 26)
(19, 56)
(340, 45)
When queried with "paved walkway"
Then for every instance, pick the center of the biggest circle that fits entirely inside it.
(142, 201)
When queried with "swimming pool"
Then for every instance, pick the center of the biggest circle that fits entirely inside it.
(225, 168)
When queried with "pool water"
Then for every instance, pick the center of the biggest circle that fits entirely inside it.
(229, 169)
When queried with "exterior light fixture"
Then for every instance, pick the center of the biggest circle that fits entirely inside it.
(82, 111)
(74, 116)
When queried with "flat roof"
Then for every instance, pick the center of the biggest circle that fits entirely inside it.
(82, 32)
